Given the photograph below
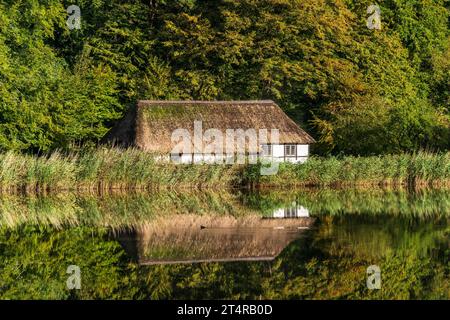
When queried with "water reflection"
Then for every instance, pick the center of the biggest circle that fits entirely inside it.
(193, 239)
(314, 244)
(292, 211)
(125, 211)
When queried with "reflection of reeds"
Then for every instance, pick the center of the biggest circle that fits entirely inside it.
(117, 211)
(123, 210)
(371, 222)
(423, 203)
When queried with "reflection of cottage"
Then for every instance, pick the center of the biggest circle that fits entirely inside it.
(190, 238)
(294, 211)
(150, 127)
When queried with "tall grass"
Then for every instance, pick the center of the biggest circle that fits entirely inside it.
(109, 168)
(404, 169)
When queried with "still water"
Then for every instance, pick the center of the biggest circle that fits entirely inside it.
(315, 244)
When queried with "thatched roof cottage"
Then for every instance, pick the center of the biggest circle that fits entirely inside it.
(159, 127)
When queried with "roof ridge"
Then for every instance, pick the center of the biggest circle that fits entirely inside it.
(206, 102)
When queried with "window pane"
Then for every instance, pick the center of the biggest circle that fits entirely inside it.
(290, 150)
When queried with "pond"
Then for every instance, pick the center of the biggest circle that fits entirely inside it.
(301, 244)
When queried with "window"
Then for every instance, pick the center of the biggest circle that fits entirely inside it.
(290, 150)
(266, 150)
(290, 212)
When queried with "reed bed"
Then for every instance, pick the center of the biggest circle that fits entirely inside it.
(106, 169)
(413, 170)
(131, 169)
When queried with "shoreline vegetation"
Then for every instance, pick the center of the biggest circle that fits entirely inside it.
(125, 211)
(107, 169)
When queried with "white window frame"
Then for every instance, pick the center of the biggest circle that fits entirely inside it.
(290, 212)
(292, 148)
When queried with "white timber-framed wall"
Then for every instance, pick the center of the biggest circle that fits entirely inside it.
(290, 212)
(287, 152)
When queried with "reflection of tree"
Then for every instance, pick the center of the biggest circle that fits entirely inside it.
(406, 235)
(310, 269)
(33, 264)
(34, 261)
(378, 236)
(412, 254)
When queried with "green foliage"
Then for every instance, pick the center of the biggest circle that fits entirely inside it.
(44, 104)
(35, 260)
(358, 91)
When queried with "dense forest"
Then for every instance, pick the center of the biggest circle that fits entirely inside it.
(357, 90)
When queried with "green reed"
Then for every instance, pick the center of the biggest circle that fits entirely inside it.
(403, 169)
(109, 168)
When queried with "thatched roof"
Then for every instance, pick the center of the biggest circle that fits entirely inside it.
(198, 238)
(150, 125)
